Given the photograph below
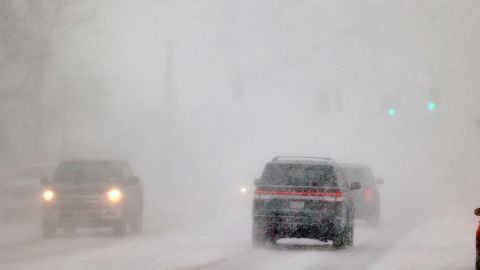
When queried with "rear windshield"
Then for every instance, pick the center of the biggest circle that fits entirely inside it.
(299, 175)
(362, 175)
(88, 172)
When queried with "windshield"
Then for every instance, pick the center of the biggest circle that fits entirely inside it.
(362, 175)
(88, 172)
(299, 175)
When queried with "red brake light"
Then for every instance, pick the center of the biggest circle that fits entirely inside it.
(329, 195)
(368, 194)
(300, 193)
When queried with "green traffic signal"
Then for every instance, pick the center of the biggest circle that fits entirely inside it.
(392, 112)
(431, 105)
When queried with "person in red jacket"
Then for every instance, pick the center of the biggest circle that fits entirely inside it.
(477, 264)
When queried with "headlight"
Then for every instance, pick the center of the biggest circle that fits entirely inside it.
(243, 190)
(48, 195)
(114, 195)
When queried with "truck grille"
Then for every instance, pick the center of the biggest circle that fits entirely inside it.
(79, 204)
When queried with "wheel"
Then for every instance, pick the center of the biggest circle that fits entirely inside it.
(48, 229)
(137, 225)
(339, 240)
(260, 236)
(345, 238)
(68, 230)
(120, 229)
(477, 265)
(351, 228)
(350, 234)
(374, 218)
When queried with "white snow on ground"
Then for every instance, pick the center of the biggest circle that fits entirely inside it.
(220, 243)
(174, 247)
(17, 233)
(446, 241)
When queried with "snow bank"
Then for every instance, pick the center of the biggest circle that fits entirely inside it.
(445, 241)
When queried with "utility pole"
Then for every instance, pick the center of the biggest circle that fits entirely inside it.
(168, 130)
(64, 122)
(169, 88)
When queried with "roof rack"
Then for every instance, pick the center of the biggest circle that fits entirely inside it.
(330, 160)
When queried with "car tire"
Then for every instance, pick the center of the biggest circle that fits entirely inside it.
(120, 228)
(345, 237)
(339, 241)
(372, 222)
(374, 218)
(68, 230)
(260, 235)
(48, 229)
(350, 236)
(137, 225)
(477, 265)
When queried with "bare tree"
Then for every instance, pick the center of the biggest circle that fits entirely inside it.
(29, 32)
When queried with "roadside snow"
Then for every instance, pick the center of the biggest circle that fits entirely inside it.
(18, 233)
(446, 241)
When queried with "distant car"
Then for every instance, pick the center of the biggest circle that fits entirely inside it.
(367, 199)
(19, 192)
(303, 197)
(477, 263)
(86, 193)
(23, 182)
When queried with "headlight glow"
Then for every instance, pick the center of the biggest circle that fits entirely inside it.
(114, 195)
(243, 190)
(48, 195)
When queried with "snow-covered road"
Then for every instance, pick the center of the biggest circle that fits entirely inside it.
(437, 242)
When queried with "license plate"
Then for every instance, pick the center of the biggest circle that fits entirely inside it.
(297, 205)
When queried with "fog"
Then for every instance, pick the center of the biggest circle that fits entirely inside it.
(199, 95)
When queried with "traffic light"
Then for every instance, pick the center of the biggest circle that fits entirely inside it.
(392, 111)
(390, 104)
(434, 96)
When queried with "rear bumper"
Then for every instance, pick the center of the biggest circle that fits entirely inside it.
(324, 220)
(321, 228)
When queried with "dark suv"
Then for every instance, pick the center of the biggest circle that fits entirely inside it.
(303, 197)
(367, 199)
(85, 193)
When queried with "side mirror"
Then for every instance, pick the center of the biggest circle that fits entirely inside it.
(256, 182)
(44, 181)
(477, 212)
(355, 186)
(133, 180)
(380, 181)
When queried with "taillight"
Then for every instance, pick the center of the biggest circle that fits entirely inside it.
(368, 194)
(335, 195)
(300, 193)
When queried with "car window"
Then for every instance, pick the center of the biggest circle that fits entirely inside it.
(89, 172)
(342, 179)
(299, 175)
(361, 175)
